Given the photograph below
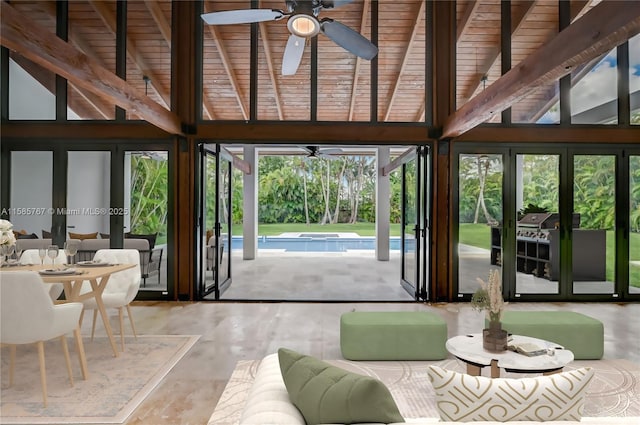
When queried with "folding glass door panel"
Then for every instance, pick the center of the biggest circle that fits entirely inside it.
(215, 223)
(537, 236)
(145, 213)
(593, 233)
(415, 224)
(480, 194)
(410, 225)
(208, 204)
(88, 195)
(633, 236)
(224, 222)
(31, 194)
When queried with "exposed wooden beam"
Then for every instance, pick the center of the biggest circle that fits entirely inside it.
(82, 130)
(233, 80)
(540, 133)
(551, 97)
(109, 19)
(405, 59)
(272, 74)
(401, 159)
(598, 31)
(356, 70)
(420, 115)
(303, 133)
(516, 22)
(469, 12)
(160, 19)
(239, 163)
(42, 47)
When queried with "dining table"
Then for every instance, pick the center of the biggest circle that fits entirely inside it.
(72, 276)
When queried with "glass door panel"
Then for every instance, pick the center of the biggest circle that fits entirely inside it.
(88, 194)
(593, 235)
(224, 223)
(410, 225)
(538, 222)
(480, 208)
(634, 224)
(208, 223)
(31, 192)
(146, 203)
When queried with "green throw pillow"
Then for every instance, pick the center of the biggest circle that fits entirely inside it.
(327, 394)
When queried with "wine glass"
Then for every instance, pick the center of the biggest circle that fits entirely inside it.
(18, 253)
(42, 253)
(52, 252)
(70, 250)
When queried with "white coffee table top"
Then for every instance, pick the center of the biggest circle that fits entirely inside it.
(468, 348)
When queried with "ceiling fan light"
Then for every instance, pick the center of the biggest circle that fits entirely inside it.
(303, 25)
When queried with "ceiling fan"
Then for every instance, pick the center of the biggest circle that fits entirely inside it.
(302, 23)
(316, 152)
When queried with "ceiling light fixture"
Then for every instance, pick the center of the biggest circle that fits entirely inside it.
(303, 25)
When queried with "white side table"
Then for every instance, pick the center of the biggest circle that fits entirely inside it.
(468, 348)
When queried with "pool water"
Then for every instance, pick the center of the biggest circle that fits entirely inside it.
(315, 243)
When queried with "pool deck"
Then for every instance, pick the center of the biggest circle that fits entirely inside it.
(319, 235)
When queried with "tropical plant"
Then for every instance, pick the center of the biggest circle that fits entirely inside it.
(149, 197)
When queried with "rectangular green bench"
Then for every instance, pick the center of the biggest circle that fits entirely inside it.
(581, 334)
(393, 335)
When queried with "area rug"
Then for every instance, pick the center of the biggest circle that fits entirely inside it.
(116, 385)
(613, 392)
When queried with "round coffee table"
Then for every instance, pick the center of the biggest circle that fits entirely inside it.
(468, 348)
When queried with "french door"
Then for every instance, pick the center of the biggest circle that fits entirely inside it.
(214, 223)
(415, 235)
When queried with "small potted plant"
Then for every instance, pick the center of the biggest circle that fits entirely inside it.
(489, 298)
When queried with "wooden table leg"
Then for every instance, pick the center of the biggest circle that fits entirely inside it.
(495, 370)
(81, 355)
(473, 370)
(97, 289)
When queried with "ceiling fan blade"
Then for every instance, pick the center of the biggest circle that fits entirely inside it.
(243, 16)
(292, 54)
(348, 39)
(331, 4)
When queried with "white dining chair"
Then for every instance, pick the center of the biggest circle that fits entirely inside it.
(27, 316)
(31, 256)
(121, 287)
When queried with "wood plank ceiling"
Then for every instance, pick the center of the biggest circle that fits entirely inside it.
(343, 80)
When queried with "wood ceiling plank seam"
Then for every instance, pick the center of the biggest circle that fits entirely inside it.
(419, 18)
(233, 79)
(356, 70)
(21, 34)
(272, 75)
(601, 29)
(109, 20)
(492, 60)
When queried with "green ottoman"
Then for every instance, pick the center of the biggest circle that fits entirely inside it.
(393, 335)
(581, 334)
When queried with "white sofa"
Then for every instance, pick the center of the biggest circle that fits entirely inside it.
(268, 404)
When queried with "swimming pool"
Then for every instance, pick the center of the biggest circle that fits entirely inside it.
(315, 244)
